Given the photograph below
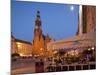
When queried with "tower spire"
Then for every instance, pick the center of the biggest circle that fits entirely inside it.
(38, 14)
(38, 20)
(38, 43)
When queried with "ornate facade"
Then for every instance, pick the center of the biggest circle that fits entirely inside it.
(23, 48)
(40, 40)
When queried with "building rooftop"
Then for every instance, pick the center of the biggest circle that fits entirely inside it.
(23, 41)
(88, 36)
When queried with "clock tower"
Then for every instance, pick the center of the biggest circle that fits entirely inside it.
(38, 28)
(38, 41)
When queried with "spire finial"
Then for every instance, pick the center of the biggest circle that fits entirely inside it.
(38, 13)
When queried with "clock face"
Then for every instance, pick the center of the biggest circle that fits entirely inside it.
(36, 27)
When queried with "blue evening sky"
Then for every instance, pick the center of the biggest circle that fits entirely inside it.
(58, 20)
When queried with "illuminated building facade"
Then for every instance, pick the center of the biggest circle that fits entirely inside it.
(40, 40)
(24, 48)
(39, 45)
(76, 42)
(13, 45)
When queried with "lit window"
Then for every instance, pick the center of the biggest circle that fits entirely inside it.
(18, 44)
(41, 49)
(21, 54)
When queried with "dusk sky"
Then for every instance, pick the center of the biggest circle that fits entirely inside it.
(60, 21)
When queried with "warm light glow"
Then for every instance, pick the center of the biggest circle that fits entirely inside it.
(21, 54)
(89, 49)
(41, 49)
(73, 53)
(55, 52)
(92, 48)
(18, 44)
(76, 53)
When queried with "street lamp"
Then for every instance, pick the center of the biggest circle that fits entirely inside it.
(89, 49)
(92, 48)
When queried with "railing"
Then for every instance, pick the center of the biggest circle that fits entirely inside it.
(70, 67)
